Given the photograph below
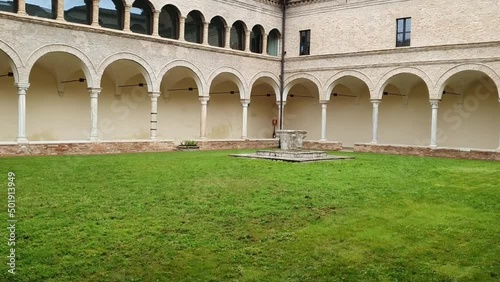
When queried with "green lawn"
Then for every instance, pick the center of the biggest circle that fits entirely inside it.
(204, 216)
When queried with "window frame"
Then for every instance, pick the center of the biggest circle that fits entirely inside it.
(405, 33)
(305, 45)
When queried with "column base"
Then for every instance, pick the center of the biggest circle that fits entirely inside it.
(22, 141)
(203, 138)
(322, 140)
(433, 147)
(374, 142)
(498, 150)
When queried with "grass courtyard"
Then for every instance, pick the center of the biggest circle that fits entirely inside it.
(203, 216)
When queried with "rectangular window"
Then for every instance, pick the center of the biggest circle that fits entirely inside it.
(305, 42)
(403, 32)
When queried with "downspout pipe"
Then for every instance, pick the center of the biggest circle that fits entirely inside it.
(282, 75)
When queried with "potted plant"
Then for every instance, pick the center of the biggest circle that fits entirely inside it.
(188, 145)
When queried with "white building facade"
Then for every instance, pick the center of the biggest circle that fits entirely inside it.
(401, 76)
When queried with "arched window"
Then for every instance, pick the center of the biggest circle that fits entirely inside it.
(216, 32)
(141, 17)
(273, 42)
(256, 39)
(8, 6)
(78, 11)
(194, 27)
(111, 14)
(238, 36)
(42, 8)
(169, 22)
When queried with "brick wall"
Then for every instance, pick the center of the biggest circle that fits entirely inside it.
(427, 152)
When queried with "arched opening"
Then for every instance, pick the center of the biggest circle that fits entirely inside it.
(263, 109)
(349, 112)
(468, 109)
(124, 105)
(58, 102)
(111, 14)
(405, 112)
(237, 37)
(78, 11)
(273, 42)
(8, 6)
(141, 17)
(194, 27)
(216, 32)
(169, 22)
(224, 119)
(303, 110)
(42, 8)
(8, 100)
(179, 106)
(256, 39)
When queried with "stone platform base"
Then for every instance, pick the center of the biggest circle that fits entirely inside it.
(291, 156)
(469, 154)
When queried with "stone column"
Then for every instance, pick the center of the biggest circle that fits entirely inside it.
(244, 127)
(264, 44)
(498, 150)
(203, 120)
(21, 7)
(205, 33)
(324, 105)
(153, 128)
(182, 28)
(227, 37)
(435, 106)
(247, 40)
(60, 10)
(94, 99)
(156, 22)
(22, 88)
(95, 13)
(376, 103)
(126, 18)
(279, 112)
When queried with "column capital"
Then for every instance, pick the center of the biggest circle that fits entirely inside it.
(245, 102)
(182, 18)
(154, 94)
(204, 99)
(376, 101)
(23, 86)
(94, 92)
(324, 102)
(279, 103)
(434, 103)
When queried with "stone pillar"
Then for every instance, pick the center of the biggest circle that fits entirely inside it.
(21, 7)
(22, 88)
(205, 33)
(182, 28)
(227, 37)
(153, 128)
(126, 18)
(244, 127)
(95, 13)
(264, 44)
(156, 22)
(279, 111)
(203, 120)
(94, 99)
(247, 40)
(60, 10)
(376, 103)
(498, 150)
(324, 105)
(435, 106)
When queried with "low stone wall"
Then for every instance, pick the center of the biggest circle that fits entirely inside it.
(326, 145)
(237, 144)
(428, 152)
(85, 148)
